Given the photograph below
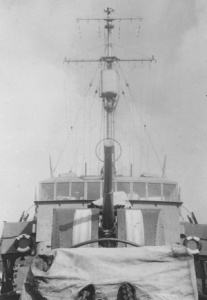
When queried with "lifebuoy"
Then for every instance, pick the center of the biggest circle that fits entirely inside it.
(23, 243)
(194, 239)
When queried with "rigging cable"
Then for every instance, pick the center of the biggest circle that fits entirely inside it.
(127, 84)
(135, 127)
(130, 124)
(117, 131)
(119, 164)
(89, 135)
(71, 128)
(145, 112)
(66, 108)
(129, 50)
(84, 170)
(151, 106)
(88, 118)
(70, 60)
(101, 135)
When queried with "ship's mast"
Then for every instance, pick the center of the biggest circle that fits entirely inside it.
(109, 102)
(109, 88)
(109, 95)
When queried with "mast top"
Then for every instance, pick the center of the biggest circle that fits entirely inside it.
(108, 10)
(108, 58)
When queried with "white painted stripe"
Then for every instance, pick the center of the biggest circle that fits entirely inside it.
(82, 226)
(134, 226)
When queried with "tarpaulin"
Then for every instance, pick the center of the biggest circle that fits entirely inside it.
(158, 273)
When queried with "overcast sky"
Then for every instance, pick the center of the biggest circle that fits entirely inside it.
(40, 95)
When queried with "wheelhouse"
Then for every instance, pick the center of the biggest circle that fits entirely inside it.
(71, 187)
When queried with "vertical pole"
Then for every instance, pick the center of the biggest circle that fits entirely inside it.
(85, 168)
(108, 205)
(109, 129)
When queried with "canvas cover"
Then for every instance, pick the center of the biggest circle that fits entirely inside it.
(158, 273)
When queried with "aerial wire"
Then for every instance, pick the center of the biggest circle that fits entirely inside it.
(128, 50)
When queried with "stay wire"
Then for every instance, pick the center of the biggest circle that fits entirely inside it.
(86, 118)
(71, 129)
(118, 137)
(66, 108)
(141, 119)
(101, 134)
(147, 97)
(150, 105)
(80, 141)
(135, 127)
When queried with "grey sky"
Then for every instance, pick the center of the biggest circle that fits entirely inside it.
(36, 86)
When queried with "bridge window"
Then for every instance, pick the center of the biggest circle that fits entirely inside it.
(139, 191)
(62, 192)
(93, 191)
(124, 187)
(77, 191)
(154, 191)
(169, 192)
(47, 191)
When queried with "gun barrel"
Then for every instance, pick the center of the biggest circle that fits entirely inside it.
(108, 203)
